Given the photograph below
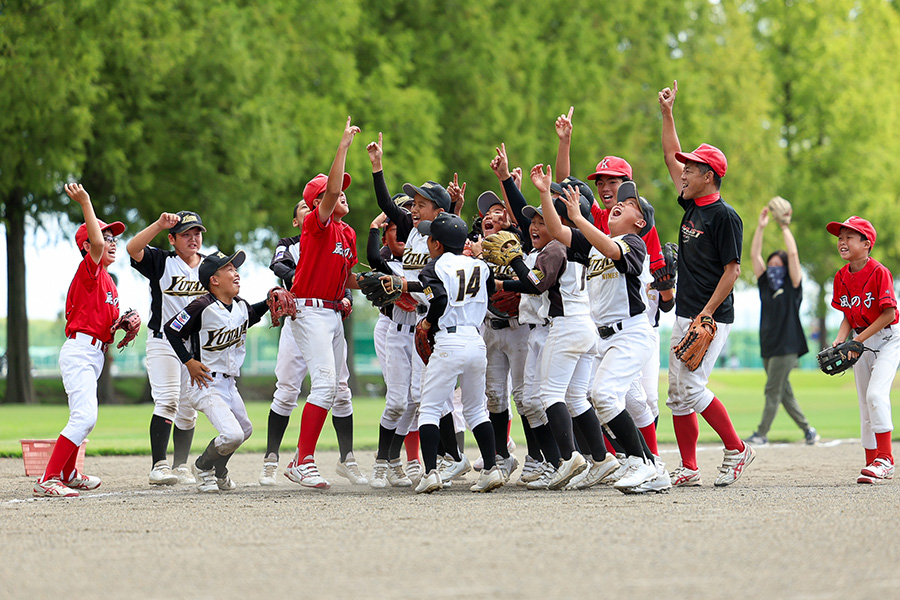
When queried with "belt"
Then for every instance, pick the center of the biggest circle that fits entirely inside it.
(225, 375)
(536, 325)
(78, 335)
(421, 309)
(318, 303)
(607, 331)
(412, 328)
(499, 323)
(859, 330)
(451, 329)
(157, 335)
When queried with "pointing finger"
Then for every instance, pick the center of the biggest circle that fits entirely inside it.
(571, 110)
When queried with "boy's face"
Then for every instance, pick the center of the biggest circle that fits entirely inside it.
(187, 243)
(435, 249)
(607, 187)
(302, 209)
(540, 237)
(390, 239)
(851, 245)
(626, 217)
(342, 207)
(495, 220)
(423, 209)
(228, 280)
(109, 249)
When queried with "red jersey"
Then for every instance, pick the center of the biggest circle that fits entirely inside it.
(92, 303)
(863, 296)
(329, 252)
(654, 248)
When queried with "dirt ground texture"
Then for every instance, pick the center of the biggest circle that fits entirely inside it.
(795, 525)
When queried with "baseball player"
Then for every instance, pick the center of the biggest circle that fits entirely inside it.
(174, 283)
(322, 277)
(290, 371)
(458, 288)
(92, 310)
(709, 255)
(429, 200)
(216, 323)
(864, 292)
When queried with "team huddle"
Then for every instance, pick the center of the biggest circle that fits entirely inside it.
(554, 304)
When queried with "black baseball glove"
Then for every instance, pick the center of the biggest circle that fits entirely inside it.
(664, 277)
(379, 288)
(836, 359)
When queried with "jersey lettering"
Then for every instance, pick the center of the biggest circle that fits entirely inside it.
(688, 230)
(339, 249)
(472, 287)
(110, 299)
(182, 286)
(220, 339)
(413, 261)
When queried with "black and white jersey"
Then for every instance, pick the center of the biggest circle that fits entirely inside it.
(615, 287)
(284, 261)
(415, 257)
(173, 284)
(218, 332)
(465, 282)
(530, 304)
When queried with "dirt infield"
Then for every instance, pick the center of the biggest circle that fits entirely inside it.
(796, 525)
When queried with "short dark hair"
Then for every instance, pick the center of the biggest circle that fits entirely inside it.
(705, 168)
(784, 260)
(297, 207)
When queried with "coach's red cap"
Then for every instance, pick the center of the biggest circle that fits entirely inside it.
(613, 166)
(81, 236)
(855, 223)
(317, 185)
(706, 154)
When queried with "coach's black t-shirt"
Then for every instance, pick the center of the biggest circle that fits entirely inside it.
(780, 331)
(711, 237)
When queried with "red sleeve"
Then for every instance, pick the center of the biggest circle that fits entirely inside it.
(351, 242)
(312, 223)
(601, 217)
(884, 282)
(654, 249)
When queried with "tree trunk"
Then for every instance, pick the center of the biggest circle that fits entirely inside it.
(19, 385)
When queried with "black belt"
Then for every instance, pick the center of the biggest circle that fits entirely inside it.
(421, 309)
(608, 331)
(451, 329)
(157, 335)
(225, 375)
(859, 330)
(412, 328)
(499, 323)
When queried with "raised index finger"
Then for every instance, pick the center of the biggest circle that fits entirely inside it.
(571, 110)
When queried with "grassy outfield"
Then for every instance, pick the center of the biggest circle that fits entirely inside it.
(829, 403)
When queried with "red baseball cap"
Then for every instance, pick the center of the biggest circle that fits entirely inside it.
(706, 154)
(317, 185)
(855, 223)
(81, 236)
(613, 166)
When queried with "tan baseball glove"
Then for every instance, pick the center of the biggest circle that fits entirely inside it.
(693, 346)
(781, 210)
(501, 248)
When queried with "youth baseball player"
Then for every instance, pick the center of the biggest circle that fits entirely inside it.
(458, 288)
(864, 292)
(709, 255)
(216, 323)
(92, 312)
(174, 283)
(290, 371)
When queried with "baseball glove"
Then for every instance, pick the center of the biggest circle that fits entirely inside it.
(836, 359)
(379, 289)
(506, 302)
(130, 323)
(693, 346)
(424, 341)
(281, 305)
(501, 248)
(664, 277)
(780, 209)
(406, 302)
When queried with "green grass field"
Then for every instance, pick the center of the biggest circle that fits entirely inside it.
(830, 405)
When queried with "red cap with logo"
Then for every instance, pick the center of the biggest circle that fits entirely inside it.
(81, 236)
(317, 185)
(706, 154)
(613, 166)
(857, 224)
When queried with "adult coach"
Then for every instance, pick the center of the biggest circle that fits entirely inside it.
(709, 263)
(781, 338)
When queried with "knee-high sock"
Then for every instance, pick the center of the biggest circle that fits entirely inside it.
(500, 422)
(484, 436)
(622, 425)
(461, 441)
(589, 425)
(429, 435)
(221, 465)
(311, 422)
(883, 441)
(63, 451)
(581, 443)
(871, 454)
(561, 425)
(649, 433)
(181, 440)
(160, 428)
(385, 440)
(396, 446)
(549, 447)
(210, 456)
(534, 448)
(717, 417)
(343, 427)
(687, 430)
(448, 437)
(412, 445)
(275, 433)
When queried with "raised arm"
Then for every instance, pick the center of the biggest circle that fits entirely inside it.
(457, 194)
(790, 246)
(598, 239)
(554, 224)
(759, 265)
(564, 131)
(136, 245)
(76, 192)
(336, 174)
(670, 142)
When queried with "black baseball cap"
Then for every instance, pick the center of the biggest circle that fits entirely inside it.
(583, 188)
(628, 190)
(402, 200)
(487, 200)
(431, 190)
(447, 228)
(187, 220)
(529, 211)
(216, 261)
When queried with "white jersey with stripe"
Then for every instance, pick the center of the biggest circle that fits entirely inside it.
(415, 257)
(570, 296)
(615, 286)
(173, 284)
(530, 304)
(465, 280)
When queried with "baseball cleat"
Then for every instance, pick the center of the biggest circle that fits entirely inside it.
(162, 474)
(684, 477)
(543, 480)
(183, 472)
(350, 469)
(431, 482)
(455, 468)
(661, 485)
(637, 473)
(395, 475)
(598, 471)
(269, 470)
(88, 482)
(866, 479)
(881, 468)
(734, 464)
(567, 470)
(379, 474)
(507, 466)
(580, 477)
(811, 436)
(206, 480)
(757, 440)
(414, 470)
(225, 483)
(307, 474)
(53, 488)
(531, 470)
(489, 480)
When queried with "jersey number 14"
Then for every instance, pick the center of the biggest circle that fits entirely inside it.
(472, 288)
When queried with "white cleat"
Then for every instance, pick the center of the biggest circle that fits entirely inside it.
(431, 482)
(350, 469)
(269, 470)
(638, 472)
(489, 480)
(162, 474)
(598, 472)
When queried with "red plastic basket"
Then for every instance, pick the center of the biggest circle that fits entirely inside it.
(37, 454)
